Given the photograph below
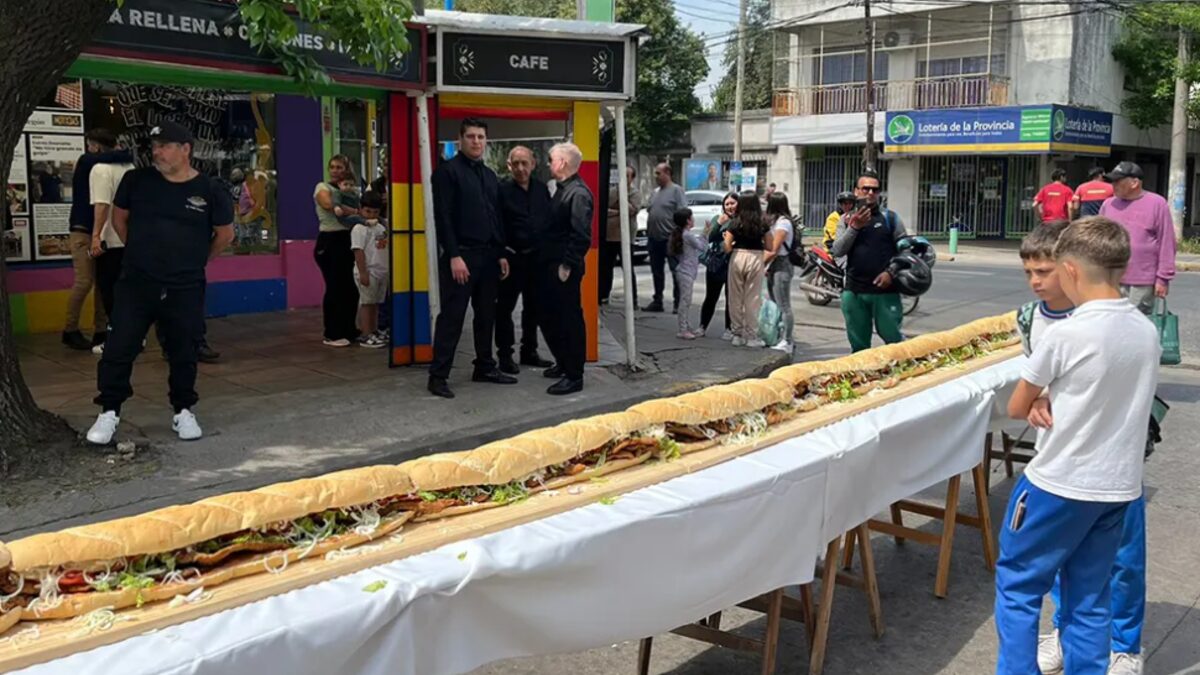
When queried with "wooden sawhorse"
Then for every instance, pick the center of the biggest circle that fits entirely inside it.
(778, 606)
(950, 517)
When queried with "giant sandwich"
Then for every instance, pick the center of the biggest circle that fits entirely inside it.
(172, 551)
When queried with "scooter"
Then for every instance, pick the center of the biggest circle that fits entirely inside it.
(823, 280)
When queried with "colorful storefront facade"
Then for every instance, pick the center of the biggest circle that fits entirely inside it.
(535, 81)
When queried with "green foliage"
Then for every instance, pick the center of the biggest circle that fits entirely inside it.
(372, 32)
(760, 63)
(1147, 51)
(551, 9)
(670, 65)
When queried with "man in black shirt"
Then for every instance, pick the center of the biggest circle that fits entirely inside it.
(524, 204)
(466, 212)
(563, 248)
(867, 237)
(173, 220)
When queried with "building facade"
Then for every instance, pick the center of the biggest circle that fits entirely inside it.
(976, 104)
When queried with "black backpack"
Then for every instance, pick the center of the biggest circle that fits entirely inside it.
(795, 253)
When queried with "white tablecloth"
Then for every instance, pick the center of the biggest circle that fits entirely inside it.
(657, 558)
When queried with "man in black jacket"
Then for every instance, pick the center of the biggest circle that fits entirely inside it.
(524, 203)
(466, 212)
(566, 241)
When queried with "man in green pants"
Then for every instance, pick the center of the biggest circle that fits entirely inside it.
(866, 237)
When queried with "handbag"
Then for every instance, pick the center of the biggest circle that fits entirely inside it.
(713, 257)
(1168, 333)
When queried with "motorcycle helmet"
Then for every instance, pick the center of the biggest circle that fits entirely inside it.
(910, 274)
(845, 196)
(918, 246)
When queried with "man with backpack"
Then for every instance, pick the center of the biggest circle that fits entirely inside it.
(866, 237)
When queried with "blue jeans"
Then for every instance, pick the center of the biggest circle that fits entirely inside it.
(1044, 535)
(1128, 583)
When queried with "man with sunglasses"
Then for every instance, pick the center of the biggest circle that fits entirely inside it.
(866, 237)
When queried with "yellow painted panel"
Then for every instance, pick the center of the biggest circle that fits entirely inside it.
(420, 264)
(418, 208)
(46, 311)
(400, 264)
(399, 202)
(587, 129)
(462, 100)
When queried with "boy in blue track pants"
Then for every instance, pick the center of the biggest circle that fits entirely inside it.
(1066, 513)
(1129, 570)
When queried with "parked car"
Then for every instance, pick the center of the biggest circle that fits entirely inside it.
(704, 205)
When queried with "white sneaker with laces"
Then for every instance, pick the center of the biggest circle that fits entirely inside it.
(1049, 653)
(738, 341)
(342, 342)
(186, 426)
(727, 335)
(1120, 663)
(783, 346)
(102, 431)
(756, 343)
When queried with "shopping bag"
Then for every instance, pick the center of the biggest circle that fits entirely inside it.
(768, 320)
(1168, 333)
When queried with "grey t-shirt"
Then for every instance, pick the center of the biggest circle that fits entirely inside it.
(660, 217)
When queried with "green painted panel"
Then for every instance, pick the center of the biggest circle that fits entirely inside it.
(16, 308)
(93, 68)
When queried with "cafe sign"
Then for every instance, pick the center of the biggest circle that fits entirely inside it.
(554, 66)
(209, 33)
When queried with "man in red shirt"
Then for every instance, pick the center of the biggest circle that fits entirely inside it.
(1053, 200)
(1090, 196)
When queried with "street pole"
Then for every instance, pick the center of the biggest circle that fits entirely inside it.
(626, 240)
(741, 77)
(1177, 189)
(869, 29)
(425, 162)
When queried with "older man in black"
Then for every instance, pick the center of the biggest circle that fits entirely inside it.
(524, 203)
(472, 263)
(563, 248)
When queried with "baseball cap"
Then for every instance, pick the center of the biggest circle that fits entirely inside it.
(167, 131)
(1124, 170)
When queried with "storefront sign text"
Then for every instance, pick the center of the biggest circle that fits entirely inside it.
(999, 130)
(560, 65)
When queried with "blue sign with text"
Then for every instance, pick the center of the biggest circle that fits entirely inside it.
(1048, 128)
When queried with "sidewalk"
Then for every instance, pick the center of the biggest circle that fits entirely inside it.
(280, 406)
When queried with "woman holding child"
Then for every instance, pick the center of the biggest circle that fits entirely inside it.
(334, 257)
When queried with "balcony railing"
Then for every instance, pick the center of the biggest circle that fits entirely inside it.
(955, 91)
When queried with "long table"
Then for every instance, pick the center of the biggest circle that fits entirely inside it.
(656, 558)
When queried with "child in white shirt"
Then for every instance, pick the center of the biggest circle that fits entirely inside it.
(368, 241)
(1066, 513)
(685, 245)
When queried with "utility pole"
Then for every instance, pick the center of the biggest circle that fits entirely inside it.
(741, 77)
(869, 30)
(1177, 190)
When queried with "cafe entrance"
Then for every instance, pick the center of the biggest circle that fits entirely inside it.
(536, 82)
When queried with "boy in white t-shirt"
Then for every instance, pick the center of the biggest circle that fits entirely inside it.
(1067, 511)
(368, 241)
(107, 248)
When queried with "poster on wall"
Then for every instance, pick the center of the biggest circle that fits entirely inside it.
(15, 242)
(60, 110)
(53, 230)
(703, 174)
(16, 193)
(52, 160)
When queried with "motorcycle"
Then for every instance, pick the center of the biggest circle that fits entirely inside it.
(823, 280)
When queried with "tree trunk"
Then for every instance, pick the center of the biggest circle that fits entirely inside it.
(39, 42)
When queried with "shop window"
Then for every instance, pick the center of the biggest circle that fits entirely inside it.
(358, 139)
(235, 143)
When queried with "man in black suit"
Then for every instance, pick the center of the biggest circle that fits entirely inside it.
(466, 211)
(564, 245)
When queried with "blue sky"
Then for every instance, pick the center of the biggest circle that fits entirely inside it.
(723, 19)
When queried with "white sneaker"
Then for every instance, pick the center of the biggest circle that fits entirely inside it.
(738, 341)
(343, 342)
(102, 431)
(1120, 663)
(98, 350)
(727, 335)
(699, 333)
(1050, 654)
(783, 346)
(756, 343)
(186, 426)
